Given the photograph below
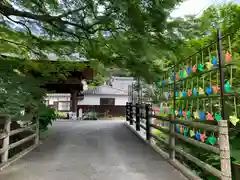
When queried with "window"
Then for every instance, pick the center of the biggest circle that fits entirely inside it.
(107, 101)
(63, 106)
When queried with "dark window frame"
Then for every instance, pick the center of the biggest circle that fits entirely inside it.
(107, 101)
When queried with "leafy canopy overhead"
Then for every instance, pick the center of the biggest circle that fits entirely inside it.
(122, 33)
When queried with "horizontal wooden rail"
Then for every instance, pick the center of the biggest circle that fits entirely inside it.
(17, 131)
(3, 135)
(13, 145)
(4, 151)
(202, 125)
(197, 143)
(198, 162)
(164, 130)
(142, 126)
(160, 140)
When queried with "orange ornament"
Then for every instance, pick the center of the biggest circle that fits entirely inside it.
(228, 57)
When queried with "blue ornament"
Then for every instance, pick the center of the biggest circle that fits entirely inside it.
(178, 129)
(209, 90)
(202, 115)
(162, 82)
(197, 135)
(189, 70)
(180, 112)
(176, 94)
(184, 93)
(167, 124)
(162, 123)
(194, 91)
(214, 61)
(169, 95)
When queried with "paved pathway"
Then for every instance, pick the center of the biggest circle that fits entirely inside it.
(91, 150)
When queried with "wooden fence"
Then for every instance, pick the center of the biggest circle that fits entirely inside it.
(222, 147)
(198, 101)
(7, 145)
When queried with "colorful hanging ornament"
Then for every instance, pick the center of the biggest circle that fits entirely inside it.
(188, 114)
(209, 65)
(181, 74)
(178, 129)
(217, 116)
(163, 124)
(201, 115)
(162, 83)
(176, 112)
(197, 135)
(227, 87)
(185, 131)
(185, 74)
(200, 91)
(200, 67)
(209, 116)
(180, 112)
(228, 57)
(234, 120)
(181, 130)
(203, 137)
(177, 76)
(194, 91)
(176, 94)
(180, 94)
(184, 113)
(189, 70)
(184, 94)
(214, 61)
(196, 115)
(215, 89)
(209, 89)
(170, 110)
(194, 68)
(192, 133)
(189, 92)
(212, 140)
(169, 95)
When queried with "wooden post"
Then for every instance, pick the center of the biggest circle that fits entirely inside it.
(137, 117)
(37, 132)
(147, 111)
(7, 129)
(131, 113)
(224, 150)
(127, 110)
(171, 140)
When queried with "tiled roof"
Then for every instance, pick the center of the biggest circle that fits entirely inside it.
(104, 90)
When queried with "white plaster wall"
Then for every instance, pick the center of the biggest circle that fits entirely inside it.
(95, 100)
(57, 97)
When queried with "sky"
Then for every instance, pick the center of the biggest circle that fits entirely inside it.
(193, 7)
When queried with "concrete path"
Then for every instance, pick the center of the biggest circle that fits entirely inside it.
(91, 150)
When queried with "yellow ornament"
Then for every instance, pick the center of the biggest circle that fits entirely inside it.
(234, 120)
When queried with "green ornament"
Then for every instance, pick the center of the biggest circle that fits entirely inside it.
(185, 74)
(170, 111)
(185, 132)
(181, 74)
(212, 140)
(227, 87)
(200, 67)
(188, 114)
(217, 116)
(192, 133)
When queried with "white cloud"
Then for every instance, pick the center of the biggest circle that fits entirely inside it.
(193, 7)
